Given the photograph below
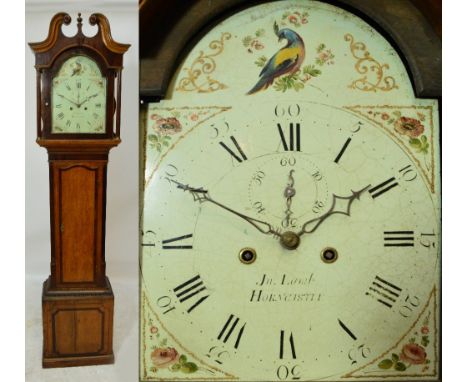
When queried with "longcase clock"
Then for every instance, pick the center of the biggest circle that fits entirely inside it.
(78, 122)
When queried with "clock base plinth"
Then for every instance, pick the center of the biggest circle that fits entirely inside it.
(77, 326)
(48, 363)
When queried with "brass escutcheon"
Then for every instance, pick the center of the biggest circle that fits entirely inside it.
(329, 255)
(247, 255)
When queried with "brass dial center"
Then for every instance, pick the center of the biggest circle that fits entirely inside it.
(290, 240)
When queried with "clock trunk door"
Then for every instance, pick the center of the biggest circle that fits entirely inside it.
(78, 190)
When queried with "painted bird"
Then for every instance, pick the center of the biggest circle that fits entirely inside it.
(77, 68)
(287, 60)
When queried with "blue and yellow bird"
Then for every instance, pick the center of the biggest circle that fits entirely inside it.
(287, 60)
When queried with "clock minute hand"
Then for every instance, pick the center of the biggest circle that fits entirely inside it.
(201, 195)
(311, 225)
(68, 99)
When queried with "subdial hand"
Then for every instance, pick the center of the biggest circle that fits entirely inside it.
(289, 192)
(201, 195)
(311, 225)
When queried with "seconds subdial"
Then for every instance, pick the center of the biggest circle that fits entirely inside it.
(294, 178)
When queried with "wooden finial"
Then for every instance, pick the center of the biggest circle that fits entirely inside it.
(79, 22)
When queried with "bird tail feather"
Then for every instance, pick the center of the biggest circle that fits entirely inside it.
(262, 84)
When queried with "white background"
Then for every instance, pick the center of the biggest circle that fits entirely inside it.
(12, 158)
(122, 198)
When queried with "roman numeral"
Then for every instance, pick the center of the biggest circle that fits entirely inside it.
(68, 123)
(383, 187)
(177, 246)
(294, 138)
(98, 105)
(78, 126)
(347, 330)
(95, 115)
(228, 330)
(384, 292)
(282, 346)
(190, 289)
(343, 149)
(149, 243)
(68, 87)
(239, 150)
(398, 238)
(58, 106)
(60, 115)
(78, 84)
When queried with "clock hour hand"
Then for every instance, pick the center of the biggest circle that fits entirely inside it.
(201, 195)
(340, 205)
(87, 99)
(68, 99)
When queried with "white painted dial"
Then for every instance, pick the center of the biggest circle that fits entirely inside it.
(288, 312)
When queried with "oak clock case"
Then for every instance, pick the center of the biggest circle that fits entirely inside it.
(290, 220)
(78, 122)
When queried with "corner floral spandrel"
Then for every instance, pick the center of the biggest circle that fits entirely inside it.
(411, 354)
(411, 128)
(167, 357)
(166, 127)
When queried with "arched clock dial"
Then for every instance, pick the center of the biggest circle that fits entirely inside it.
(79, 97)
(290, 228)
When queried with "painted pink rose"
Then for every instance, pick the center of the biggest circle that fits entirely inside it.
(164, 357)
(167, 126)
(257, 45)
(409, 126)
(304, 21)
(194, 117)
(293, 19)
(413, 354)
(385, 116)
(324, 56)
(153, 329)
(424, 330)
